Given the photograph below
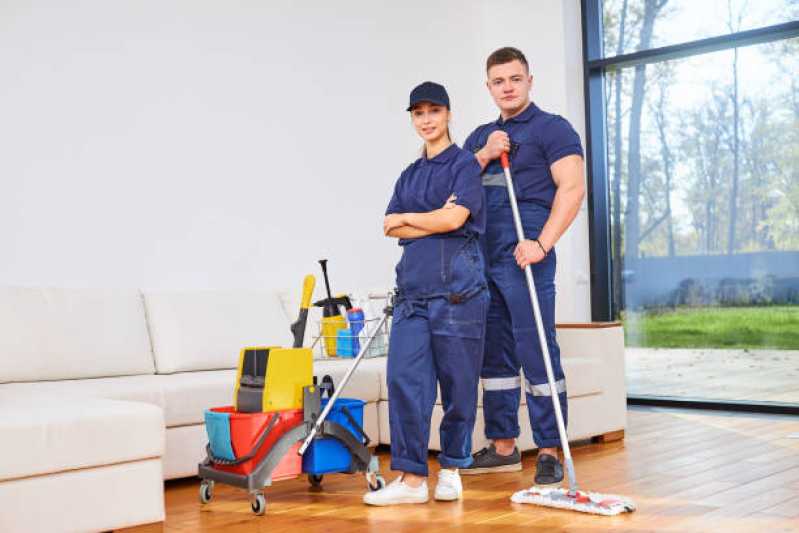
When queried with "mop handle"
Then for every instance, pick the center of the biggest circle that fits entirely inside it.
(528, 274)
(332, 400)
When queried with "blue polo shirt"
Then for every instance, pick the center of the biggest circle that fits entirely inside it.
(427, 184)
(538, 139)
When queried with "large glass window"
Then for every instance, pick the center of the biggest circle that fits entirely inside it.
(701, 164)
(680, 21)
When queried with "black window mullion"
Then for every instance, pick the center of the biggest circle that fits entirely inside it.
(702, 46)
(596, 166)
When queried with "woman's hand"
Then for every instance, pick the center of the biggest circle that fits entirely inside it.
(393, 221)
(528, 253)
(450, 202)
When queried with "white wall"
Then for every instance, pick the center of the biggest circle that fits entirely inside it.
(189, 144)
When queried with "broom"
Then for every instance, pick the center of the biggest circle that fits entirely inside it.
(571, 499)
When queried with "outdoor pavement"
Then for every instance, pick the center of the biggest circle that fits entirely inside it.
(740, 374)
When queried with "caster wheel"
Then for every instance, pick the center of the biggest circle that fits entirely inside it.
(379, 483)
(315, 480)
(258, 504)
(206, 491)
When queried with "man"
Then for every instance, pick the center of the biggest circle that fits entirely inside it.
(547, 165)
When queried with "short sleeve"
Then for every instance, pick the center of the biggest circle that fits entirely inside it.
(560, 140)
(472, 142)
(467, 185)
(395, 205)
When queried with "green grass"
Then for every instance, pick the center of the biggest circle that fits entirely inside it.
(714, 327)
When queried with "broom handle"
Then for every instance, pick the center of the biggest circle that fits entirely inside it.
(528, 274)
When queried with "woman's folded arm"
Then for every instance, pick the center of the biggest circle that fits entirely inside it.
(408, 232)
(438, 221)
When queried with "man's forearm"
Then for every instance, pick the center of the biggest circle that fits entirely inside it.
(565, 207)
(482, 159)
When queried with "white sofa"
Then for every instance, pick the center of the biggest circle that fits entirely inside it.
(102, 394)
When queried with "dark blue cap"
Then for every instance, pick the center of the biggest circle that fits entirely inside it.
(429, 92)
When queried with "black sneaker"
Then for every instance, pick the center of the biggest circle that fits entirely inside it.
(548, 470)
(488, 461)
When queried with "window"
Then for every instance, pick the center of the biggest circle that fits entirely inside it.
(693, 120)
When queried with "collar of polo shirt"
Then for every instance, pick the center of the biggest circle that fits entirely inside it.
(524, 116)
(445, 155)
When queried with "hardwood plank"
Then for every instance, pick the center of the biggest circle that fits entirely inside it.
(738, 473)
(612, 436)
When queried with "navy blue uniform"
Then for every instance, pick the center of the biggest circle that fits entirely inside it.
(538, 139)
(438, 329)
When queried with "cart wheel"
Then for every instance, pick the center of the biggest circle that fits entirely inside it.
(206, 491)
(379, 483)
(315, 480)
(258, 504)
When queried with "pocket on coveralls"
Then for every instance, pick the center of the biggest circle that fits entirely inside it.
(466, 319)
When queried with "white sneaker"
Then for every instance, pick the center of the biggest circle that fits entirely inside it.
(449, 487)
(397, 492)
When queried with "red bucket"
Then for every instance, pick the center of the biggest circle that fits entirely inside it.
(246, 428)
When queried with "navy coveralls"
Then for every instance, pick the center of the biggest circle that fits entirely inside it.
(538, 139)
(438, 329)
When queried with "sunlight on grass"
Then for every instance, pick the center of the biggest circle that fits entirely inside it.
(714, 327)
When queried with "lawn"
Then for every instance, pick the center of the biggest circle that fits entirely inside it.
(714, 327)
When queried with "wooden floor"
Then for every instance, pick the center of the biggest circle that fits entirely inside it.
(685, 470)
(759, 375)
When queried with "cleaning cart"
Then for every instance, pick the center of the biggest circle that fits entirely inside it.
(322, 435)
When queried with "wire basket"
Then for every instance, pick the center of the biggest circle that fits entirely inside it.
(371, 330)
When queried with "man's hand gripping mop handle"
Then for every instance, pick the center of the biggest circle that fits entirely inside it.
(319, 421)
(528, 274)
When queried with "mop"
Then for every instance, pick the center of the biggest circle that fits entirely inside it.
(571, 499)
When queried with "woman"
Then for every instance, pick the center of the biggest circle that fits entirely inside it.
(439, 318)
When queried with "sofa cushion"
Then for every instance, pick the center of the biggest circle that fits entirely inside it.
(54, 435)
(205, 330)
(183, 396)
(50, 334)
(364, 383)
(145, 389)
(188, 394)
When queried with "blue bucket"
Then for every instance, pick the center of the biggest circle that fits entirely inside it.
(329, 455)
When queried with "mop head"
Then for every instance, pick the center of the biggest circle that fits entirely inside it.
(584, 502)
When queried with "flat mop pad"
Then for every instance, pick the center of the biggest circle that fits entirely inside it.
(585, 502)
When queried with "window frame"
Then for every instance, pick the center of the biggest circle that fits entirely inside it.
(595, 65)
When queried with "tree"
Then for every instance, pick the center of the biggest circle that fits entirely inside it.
(734, 27)
(632, 222)
(664, 78)
(703, 142)
(617, 161)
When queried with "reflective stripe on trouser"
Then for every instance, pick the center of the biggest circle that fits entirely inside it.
(511, 337)
(434, 340)
(509, 348)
